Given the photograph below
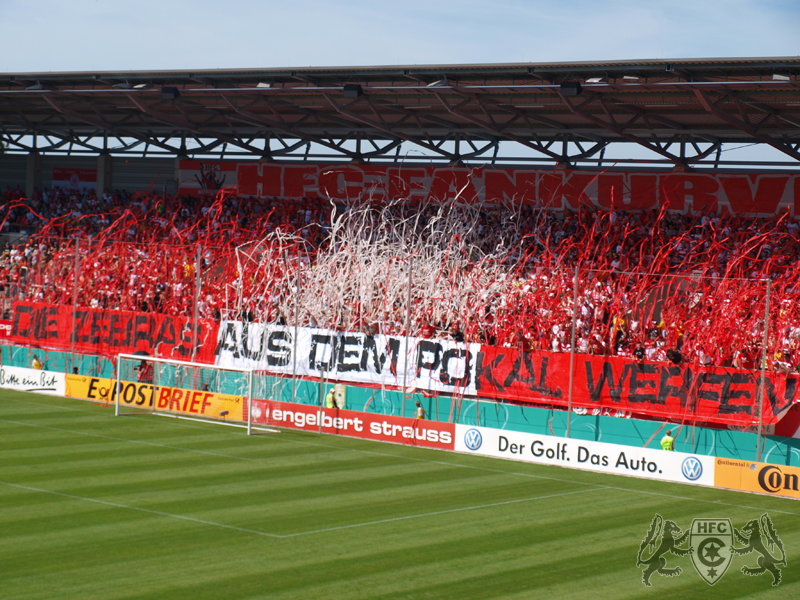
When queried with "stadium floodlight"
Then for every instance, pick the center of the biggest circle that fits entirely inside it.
(353, 90)
(781, 77)
(36, 86)
(170, 93)
(631, 77)
(439, 83)
(127, 85)
(264, 84)
(597, 80)
(195, 391)
(571, 88)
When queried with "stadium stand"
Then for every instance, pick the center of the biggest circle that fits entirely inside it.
(653, 285)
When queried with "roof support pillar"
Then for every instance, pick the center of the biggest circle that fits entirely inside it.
(33, 173)
(105, 173)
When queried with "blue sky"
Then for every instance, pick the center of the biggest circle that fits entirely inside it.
(90, 35)
(116, 35)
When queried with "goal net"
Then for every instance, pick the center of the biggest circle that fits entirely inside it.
(190, 390)
(269, 391)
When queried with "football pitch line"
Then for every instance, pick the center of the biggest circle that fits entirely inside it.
(136, 508)
(119, 439)
(300, 533)
(443, 512)
(599, 485)
(431, 461)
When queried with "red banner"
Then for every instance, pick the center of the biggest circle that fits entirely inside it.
(369, 426)
(690, 393)
(557, 189)
(111, 332)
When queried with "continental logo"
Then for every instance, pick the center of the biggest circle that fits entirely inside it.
(763, 478)
(732, 463)
(773, 480)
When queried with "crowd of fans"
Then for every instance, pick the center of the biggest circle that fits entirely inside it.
(652, 285)
(659, 286)
(156, 217)
(137, 251)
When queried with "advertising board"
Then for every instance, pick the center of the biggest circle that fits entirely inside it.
(614, 459)
(32, 380)
(368, 426)
(168, 399)
(762, 478)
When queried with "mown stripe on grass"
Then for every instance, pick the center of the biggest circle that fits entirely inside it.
(136, 508)
(510, 550)
(256, 532)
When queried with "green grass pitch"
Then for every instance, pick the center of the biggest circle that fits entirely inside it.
(98, 507)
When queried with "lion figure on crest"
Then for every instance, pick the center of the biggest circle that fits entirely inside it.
(671, 538)
(752, 536)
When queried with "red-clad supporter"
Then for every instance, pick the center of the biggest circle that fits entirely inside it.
(653, 285)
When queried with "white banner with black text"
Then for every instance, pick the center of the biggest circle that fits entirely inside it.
(435, 365)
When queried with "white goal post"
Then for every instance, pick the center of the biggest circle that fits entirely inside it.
(189, 390)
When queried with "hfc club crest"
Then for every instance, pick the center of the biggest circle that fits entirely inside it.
(712, 544)
(711, 541)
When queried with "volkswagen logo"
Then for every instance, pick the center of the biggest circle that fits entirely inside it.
(692, 468)
(473, 439)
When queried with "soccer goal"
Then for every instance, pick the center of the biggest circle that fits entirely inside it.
(190, 391)
(269, 391)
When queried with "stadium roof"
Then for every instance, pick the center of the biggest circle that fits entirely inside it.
(568, 113)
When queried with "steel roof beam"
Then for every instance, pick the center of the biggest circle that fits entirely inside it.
(712, 108)
(272, 105)
(455, 110)
(180, 123)
(251, 117)
(769, 110)
(518, 113)
(71, 139)
(648, 116)
(287, 148)
(407, 114)
(8, 139)
(377, 126)
(582, 130)
(619, 131)
(702, 65)
(101, 124)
